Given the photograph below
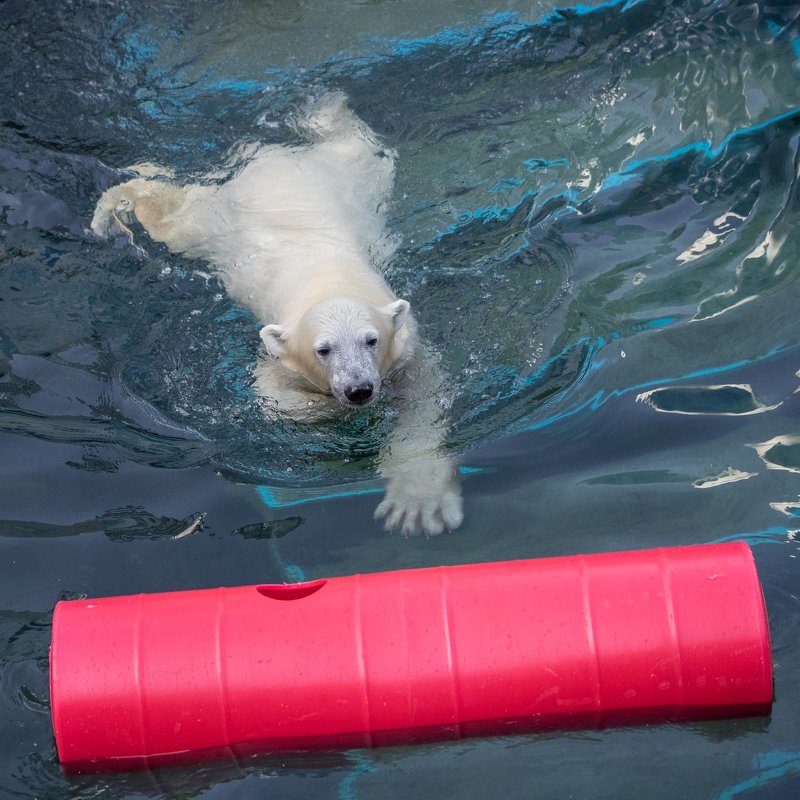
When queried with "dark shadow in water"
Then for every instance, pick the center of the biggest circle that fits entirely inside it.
(119, 525)
(274, 529)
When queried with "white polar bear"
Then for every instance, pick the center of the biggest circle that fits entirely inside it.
(296, 236)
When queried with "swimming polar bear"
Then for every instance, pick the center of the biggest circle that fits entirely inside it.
(297, 236)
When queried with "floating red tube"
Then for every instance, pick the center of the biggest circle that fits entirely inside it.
(152, 680)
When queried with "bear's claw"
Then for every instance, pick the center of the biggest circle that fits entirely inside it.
(422, 501)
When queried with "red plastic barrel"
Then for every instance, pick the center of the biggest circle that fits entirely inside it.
(150, 680)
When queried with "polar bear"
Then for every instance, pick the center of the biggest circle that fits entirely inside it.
(298, 236)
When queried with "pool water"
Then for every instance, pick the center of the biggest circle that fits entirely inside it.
(597, 210)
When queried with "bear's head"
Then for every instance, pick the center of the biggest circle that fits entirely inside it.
(344, 345)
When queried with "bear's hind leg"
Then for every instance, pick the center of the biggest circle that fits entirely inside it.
(150, 201)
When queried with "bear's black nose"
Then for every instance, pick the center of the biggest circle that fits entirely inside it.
(359, 394)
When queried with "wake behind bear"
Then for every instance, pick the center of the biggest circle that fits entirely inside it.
(298, 236)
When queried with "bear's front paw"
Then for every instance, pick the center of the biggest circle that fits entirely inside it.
(422, 498)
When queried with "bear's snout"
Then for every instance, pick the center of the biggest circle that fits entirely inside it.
(360, 393)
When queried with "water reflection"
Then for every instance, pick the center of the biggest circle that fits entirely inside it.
(727, 400)
(780, 452)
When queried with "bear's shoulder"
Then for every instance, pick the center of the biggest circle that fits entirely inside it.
(285, 393)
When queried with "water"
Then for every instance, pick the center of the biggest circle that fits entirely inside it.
(597, 208)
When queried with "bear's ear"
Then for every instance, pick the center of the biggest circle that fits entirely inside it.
(398, 311)
(274, 340)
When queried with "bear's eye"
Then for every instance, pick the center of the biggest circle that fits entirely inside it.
(323, 350)
(372, 341)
